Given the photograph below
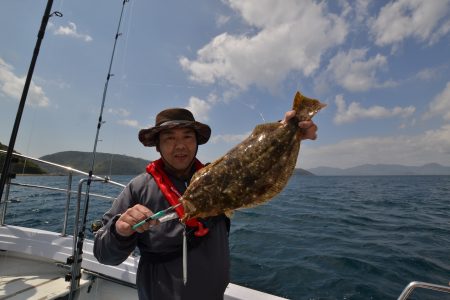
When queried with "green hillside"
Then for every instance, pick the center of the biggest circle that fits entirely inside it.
(105, 163)
(20, 165)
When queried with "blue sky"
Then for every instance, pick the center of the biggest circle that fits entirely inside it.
(382, 67)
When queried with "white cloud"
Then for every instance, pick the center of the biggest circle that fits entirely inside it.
(121, 112)
(362, 10)
(229, 138)
(354, 111)
(430, 146)
(442, 31)
(356, 11)
(129, 123)
(12, 86)
(222, 20)
(291, 36)
(440, 105)
(199, 108)
(59, 83)
(427, 73)
(399, 20)
(353, 71)
(71, 31)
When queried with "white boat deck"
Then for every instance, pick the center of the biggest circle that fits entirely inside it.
(31, 267)
(23, 278)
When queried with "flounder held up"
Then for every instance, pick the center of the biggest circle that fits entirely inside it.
(254, 171)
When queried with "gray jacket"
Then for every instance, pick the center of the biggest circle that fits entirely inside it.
(159, 274)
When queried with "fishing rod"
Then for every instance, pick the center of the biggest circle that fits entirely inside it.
(23, 99)
(79, 234)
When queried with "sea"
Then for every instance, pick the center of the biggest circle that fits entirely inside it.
(322, 237)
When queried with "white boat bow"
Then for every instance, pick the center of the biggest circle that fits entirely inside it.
(33, 267)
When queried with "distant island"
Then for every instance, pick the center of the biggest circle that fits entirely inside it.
(117, 164)
(383, 170)
(105, 163)
(302, 172)
(20, 165)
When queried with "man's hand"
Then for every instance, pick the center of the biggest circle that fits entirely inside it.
(309, 129)
(132, 216)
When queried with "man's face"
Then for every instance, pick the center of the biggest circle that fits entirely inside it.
(178, 147)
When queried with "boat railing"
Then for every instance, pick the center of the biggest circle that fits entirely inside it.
(424, 285)
(70, 172)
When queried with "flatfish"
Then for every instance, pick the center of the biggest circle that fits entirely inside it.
(252, 172)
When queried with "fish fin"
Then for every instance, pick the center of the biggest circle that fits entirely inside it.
(266, 128)
(297, 101)
(198, 174)
(229, 214)
(189, 209)
(305, 107)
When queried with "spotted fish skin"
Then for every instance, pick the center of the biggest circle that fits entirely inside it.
(254, 171)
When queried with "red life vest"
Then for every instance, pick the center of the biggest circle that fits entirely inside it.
(156, 169)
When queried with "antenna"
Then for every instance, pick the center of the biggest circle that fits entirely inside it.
(100, 122)
(79, 238)
(23, 99)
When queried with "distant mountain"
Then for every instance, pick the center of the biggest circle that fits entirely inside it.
(19, 165)
(383, 169)
(302, 172)
(105, 163)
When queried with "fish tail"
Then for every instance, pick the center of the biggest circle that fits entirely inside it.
(297, 101)
(305, 107)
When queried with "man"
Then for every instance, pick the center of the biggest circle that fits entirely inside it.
(176, 136)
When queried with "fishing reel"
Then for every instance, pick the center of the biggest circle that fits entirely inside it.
(96, 225)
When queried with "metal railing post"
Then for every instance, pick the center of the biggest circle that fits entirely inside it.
(424, 285)
(78, 238)
(66, 212)
(5, 200)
